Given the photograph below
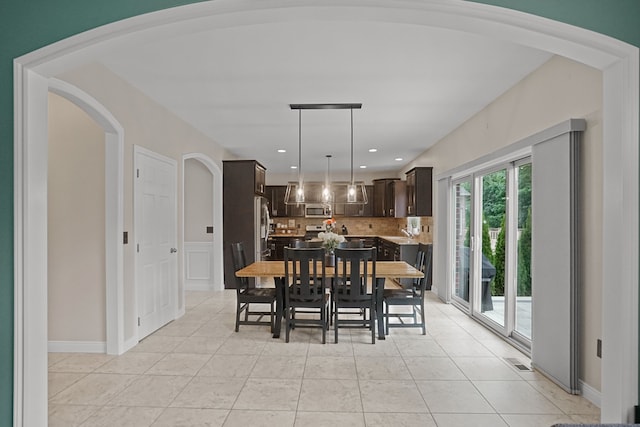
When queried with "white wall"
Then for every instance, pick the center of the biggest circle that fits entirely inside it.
(559, 90)
(198, 201)
(76, 223)
(152, 126)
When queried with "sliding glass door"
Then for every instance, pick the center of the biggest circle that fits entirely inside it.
(523, 253)
(492, 241)
(462, 226)
(493, 210)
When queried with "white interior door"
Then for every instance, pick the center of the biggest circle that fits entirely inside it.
(155, 222)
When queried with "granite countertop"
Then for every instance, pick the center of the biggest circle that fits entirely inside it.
(277, 235)
(399, 240)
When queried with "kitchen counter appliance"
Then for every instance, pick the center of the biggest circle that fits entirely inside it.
(311, 231)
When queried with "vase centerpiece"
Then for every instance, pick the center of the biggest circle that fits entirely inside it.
(330, 241)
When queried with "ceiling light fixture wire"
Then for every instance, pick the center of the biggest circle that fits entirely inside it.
(300, 189)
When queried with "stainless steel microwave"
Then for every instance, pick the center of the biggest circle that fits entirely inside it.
(317, 211)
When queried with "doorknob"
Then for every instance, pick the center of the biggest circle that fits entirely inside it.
(173, 250)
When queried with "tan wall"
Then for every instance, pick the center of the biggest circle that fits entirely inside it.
(198, 201)
(559, 90)
(76, 223)
(151, 126)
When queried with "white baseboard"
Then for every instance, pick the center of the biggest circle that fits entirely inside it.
(591, 394)
(77, 347)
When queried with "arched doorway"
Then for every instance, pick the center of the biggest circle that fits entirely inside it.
(114, 194)
(216, 219)
(618, 61)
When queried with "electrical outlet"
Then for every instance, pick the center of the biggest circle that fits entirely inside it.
(599, 348)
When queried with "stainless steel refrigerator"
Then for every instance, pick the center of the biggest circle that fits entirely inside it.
(262, 222)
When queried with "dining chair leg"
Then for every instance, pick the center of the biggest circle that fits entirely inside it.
(335, 325)
(373, 329)
(237, 315)
(386, 319)
(273, 327)
(422, 314)
(288, 323)
(323, 319)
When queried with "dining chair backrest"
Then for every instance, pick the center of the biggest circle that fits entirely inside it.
(305, 273)
(354, 266)
(425, 252)
(428, 265)
(239, 261)
(354, 243)
(418, 264)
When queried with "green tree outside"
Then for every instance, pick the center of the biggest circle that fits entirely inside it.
(494, 197)
(497, 285)
(524, 194)
(524, 258)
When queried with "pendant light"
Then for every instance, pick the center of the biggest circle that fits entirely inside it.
(328, 192)
(351, 189)
(326, 188)
(300, 188)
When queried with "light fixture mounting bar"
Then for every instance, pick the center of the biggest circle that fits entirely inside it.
(343, 106)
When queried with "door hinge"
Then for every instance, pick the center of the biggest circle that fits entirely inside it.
(138, 321)
(138, 247)
(137, 173)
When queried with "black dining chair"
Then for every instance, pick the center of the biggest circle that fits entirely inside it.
(306, 291)
(413, 297)
(354, 268)
(353, 243)
(246, 295)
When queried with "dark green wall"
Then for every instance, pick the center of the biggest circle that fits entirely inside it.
(29, 25)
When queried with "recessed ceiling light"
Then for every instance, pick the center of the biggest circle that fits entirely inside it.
(282, 150)
(398, 159)
(363, 166)
(294, 167)
(373, 150)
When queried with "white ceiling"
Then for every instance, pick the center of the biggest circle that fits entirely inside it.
(416, 84)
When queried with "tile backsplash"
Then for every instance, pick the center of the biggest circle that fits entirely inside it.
(375, 226)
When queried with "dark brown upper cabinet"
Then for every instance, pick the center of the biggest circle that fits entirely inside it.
(419, 191)
(390, 198)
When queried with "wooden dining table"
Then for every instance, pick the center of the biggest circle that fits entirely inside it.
(384, 270)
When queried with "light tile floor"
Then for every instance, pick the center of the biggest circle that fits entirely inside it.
(196, 371)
